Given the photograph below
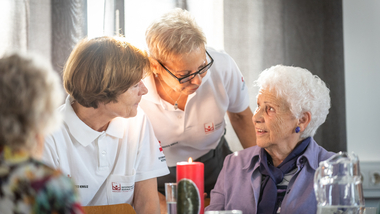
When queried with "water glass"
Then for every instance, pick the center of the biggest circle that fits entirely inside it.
(225, 212)
(370, 210)
(171, 197)
(338, 185)
(340, 210)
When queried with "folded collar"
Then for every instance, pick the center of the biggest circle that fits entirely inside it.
(311, 154)
(254, 162)
(152, 94)
(82, 132)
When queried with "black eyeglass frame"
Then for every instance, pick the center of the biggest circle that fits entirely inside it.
(190, 76)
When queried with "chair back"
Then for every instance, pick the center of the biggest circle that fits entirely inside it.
(107, 209)
(207, 202)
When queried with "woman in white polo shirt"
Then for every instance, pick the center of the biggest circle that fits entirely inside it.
(107, 145)
(192, 89)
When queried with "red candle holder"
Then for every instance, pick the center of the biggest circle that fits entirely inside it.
(190, 187)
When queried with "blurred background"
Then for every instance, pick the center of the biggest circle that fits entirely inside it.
(336, 40)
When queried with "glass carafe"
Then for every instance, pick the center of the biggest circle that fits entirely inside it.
(338, 185)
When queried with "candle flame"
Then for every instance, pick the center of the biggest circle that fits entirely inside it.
(190, 160)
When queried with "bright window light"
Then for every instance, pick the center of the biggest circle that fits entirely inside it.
(95, 18)
(138, 15)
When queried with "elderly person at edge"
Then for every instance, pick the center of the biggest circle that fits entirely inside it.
(276, 176)
(29, 96)
(107, 144)
(192, 89)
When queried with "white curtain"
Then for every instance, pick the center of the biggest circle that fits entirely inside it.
(26, 26)
(14, 25)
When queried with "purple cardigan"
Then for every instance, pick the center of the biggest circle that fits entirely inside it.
(238, 184)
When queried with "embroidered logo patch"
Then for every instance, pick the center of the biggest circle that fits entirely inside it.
(120, 187)
(209, 127)
(116, 187)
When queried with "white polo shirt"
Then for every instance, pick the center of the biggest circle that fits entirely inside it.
(105, 165)
(198, 129)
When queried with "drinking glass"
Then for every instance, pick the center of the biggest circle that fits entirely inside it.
(370, 210)
(171, 197)
(338, 185)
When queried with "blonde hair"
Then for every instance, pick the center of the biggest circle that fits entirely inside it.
(100, 69)
(175, 33)
(303, 91)
(30, 92)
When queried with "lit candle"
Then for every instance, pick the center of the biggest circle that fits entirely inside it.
(190, 187)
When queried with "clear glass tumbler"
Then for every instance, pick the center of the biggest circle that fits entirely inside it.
(338, 185)
(171, 197)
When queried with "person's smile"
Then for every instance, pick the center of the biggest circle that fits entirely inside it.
(260, 132)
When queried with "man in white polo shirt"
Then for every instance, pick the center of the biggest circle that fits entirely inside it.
(106, 144)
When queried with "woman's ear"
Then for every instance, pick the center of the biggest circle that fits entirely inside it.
(154, 64)
(304, 121)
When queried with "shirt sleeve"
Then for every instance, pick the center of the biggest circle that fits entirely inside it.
(151, 161)
(235, 86)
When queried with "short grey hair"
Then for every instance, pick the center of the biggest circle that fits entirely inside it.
(30, 92)
(175, 33)
(303, 91)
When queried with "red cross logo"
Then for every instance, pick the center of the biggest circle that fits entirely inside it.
(116, 187)
(209, 127)
(160, 146)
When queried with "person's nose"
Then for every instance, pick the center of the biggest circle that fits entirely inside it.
(197, 80)
(258, 116)
(143, 89)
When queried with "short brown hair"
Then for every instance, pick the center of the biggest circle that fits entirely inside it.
(100, 69)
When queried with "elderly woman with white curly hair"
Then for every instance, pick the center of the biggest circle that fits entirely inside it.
(29, 95)
(276, 176)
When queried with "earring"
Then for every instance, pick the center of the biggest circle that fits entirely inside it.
(298, 129)
(155, 74)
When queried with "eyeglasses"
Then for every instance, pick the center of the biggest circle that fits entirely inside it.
(191, 76)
